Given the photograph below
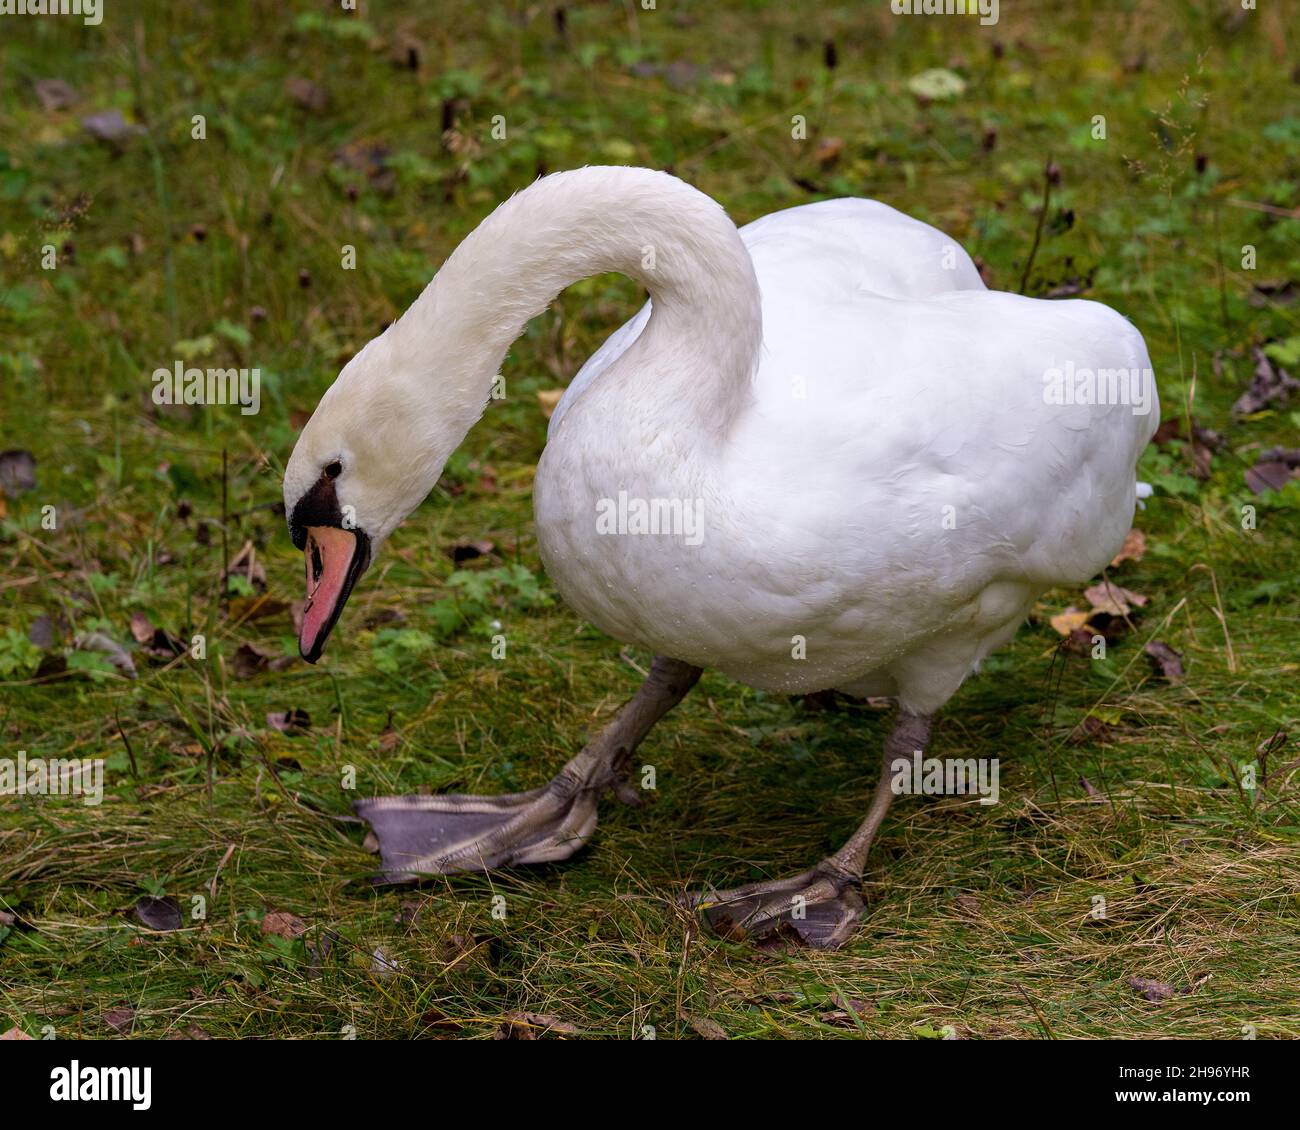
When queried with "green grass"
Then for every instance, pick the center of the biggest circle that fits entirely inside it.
(979, 918)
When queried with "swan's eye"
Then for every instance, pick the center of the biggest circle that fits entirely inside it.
(334, 470)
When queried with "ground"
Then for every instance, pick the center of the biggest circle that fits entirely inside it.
(1138, 877)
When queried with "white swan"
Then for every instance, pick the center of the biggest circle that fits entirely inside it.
(823, 456)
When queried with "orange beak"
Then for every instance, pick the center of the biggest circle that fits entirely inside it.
(334, 559)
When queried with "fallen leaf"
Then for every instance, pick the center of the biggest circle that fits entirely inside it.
(1281, 292)
(1166, 660)
(1273, 469)
(1080, 640)
(120, 1019)
(1151, 990)
(249, 659)
(109, 126)
(381, 965)
(106, 645)
(709, 1029)
(531, 1025)
(1133, 549)
(41, 632)
(154, 641)
(160, 914)
(548, 398)
(1069, 621)
(17, 472)
(936, 85)
(307, 94)
(468, 550)
(190, 1032)
(54, 94)
(1091, 729)
(15, 1034)
(282, 924)
(370, 157)
(405, 51)
(828, 150)
(292, 721)
(1269, 383)
(1112, 599)
(863, 1009)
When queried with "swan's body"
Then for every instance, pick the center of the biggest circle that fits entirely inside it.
(858, 426)
(888, 388)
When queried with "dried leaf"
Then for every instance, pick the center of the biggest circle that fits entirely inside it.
(161, 914)
(248, 660)
(41, 632)
(15, 1033)
(936, 85)
(307, 94)
(1069, 621)
(828, 150)
(381, 965)
(154, 641)
(109, 126)
(293, 721)
(54, 94)
(532, 1025)
(1151, 990)
(1274, 469)
(1112, 599)
(709, 1029)
(1268, 383)
(548, 398)
(282, 924)
(468, 550)
(17, 472)
(120, 1019)
(106, 645)
(1166, 660)
(1091, 729)
(1133, 549)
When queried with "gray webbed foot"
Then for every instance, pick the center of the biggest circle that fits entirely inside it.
(821, 907)
(442, 835)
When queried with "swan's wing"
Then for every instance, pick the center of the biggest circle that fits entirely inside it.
(614, 347)
(829, 251)
(836, 248)
(888, 411)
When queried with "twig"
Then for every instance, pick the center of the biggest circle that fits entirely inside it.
(1038, 230)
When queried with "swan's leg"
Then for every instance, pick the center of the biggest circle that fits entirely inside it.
(437, 835)
(821, 905)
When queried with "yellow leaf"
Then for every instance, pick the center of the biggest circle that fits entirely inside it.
(1067, 621)
(548, 399)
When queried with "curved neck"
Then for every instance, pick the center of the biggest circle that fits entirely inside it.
(700, 348)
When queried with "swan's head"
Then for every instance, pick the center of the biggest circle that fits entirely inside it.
(365, 460)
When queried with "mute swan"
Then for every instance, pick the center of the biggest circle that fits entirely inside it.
(822, 456)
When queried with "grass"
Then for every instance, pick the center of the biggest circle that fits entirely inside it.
(981, 920)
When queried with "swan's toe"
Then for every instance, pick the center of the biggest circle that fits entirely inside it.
(819, 907)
